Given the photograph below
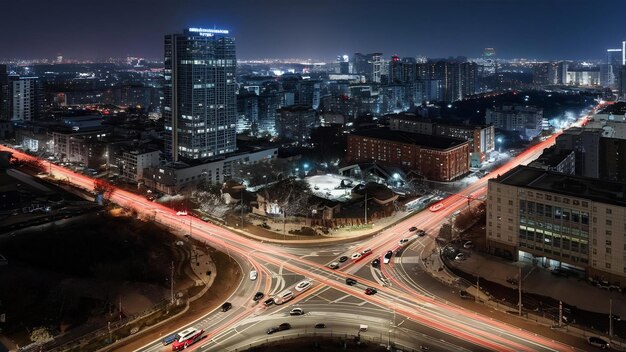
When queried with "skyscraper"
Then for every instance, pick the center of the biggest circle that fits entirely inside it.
(199, 107)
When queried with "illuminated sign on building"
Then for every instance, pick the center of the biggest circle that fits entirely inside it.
(207, 32)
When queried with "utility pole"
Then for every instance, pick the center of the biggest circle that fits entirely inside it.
(366, 206)
(241, 207)
(610, 319)
(560, 313)
(519, 289)
(172, 283)
(477, 288)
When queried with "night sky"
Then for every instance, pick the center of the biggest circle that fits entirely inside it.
(317, 29)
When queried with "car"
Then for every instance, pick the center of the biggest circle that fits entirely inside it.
(169, 339)
(356, 256)
(468, 245)
(403, 241)
(464, 294)
(460, 256)
(296, 311)
(412, 228)
(283, 297)
(387, 257)
(187, 338)
(268, 302)
(376, 263)
(350, 281)
(272, 330)
(320, 326)
(226, 306)
(253, 275)
(343, 259)
(598, 342)
(421, 233)
(370, 291)
(258, 296)
(181, 213)
(284, 326)
(303, 285)
(333, 265)
(616, 317)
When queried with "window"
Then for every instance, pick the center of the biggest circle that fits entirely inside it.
(609, 211)
(609, 232)
(607, 265)
(510, 202)
(566, 200)
(608, 242)
(585, 204)
(548, 197)
(575, 202)
(608, 250)
(609, 222)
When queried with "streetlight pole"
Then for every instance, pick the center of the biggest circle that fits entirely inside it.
(610, 319)
(366, 206)
(241, 207)
(519, 287)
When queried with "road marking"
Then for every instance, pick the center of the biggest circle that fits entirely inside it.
(341, 298)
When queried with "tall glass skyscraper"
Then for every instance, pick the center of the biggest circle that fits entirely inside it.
(199, 107)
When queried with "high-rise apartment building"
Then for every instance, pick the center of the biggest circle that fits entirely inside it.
(4, 93)
(199, 107)
(528, 120)
(560, 220)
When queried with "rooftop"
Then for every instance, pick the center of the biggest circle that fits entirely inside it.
(423, 140)
(576, 186)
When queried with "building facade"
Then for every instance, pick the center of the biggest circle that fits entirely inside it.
(527, 120)
(435, 158)
(295, 123)
(176, 176)
(560, 220)
(199, 107)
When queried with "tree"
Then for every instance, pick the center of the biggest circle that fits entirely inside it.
(101, 186)
(34, 164)
(291, 195)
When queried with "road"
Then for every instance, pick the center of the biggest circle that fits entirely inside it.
(280, 268)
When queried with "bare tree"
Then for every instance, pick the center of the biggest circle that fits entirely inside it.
(101, 186)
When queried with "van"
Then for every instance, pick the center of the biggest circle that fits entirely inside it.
(363, 328)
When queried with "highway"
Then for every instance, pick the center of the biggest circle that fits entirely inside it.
(419, 317)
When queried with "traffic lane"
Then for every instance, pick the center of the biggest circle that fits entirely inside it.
(486, 339)
(339, 320)
(242, 304)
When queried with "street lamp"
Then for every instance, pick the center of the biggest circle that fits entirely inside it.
(499, 140)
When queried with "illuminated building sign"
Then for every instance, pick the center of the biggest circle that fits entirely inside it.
(207, 32)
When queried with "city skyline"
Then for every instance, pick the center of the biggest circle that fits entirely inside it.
(321, 30)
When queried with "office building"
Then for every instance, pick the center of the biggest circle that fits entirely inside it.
(433, 157)
(368, 65)
(4, 93)
(132, 163)
(583, 76)
(585, 142)
(527, 120)
(295, 123)
(559, 220)
(199, 107)
(177, 176)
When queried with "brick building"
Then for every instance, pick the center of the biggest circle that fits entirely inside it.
(434, 157)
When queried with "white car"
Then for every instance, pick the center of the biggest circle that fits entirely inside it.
(460, 256)
(303, 285)
(296, 311)
(333, 265)
(181, 213)
(356, 256)
(283, 297)
(253, 275)
(403, 241)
